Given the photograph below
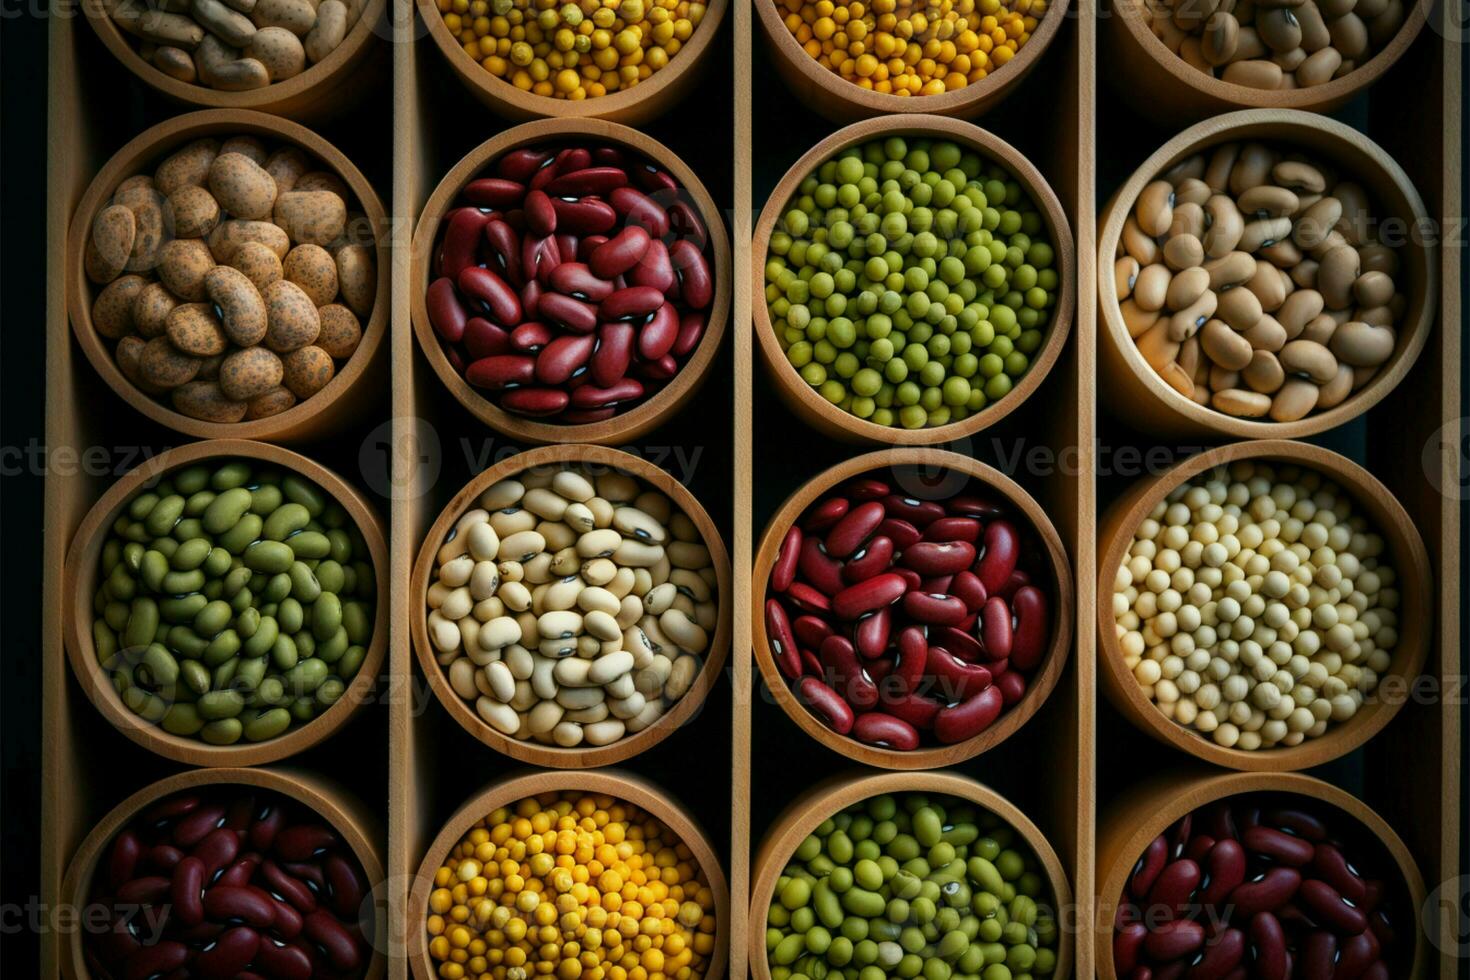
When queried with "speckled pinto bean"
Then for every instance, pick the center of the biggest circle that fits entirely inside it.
(1290, 303)
(574, 606)
(243, 916)
(235, 601)
(555, 243)
(908, 634)
(1236, 889)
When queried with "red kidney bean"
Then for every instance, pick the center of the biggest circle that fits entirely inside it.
(864, 488)
(938, 557)
(885, 731)
(965, 529)
(530, 337)
(1357, 953)
(164, 857)
(995, 628)
(686, 223)
(540, 215)
(1332, 867)
(568, 312)
(588, 180)
(1317, 955)
(855, 526)
(808, 599)
(1128, 946)
(620, 253)
(969, 718)
(193, 828)
(446, 315)
(916, 709)
(240, 872)
(461, 244)
(811, 664)
(913, 659)
(696, 283)
(520, 165)
(660, 370)
(504, 247)
(152, 961)
(1174, 939)
(869, 596)
(1174, 888)
(284, 961)
(874, 557)
(1269, 944)
(501, 371)
(1221, 956)
(691, 331)
(493, 292)
(186, 890)
(613, 354)
(217, 849)
(782, 642)
(933, 609)
(783, 571)
(652, 178)
(872, 632)
(1266, 893)
(484, 339)
(531, 293)
(249, 905)
(1329, 908)
(811, 631)
(633, 302)
(230, 953)
(172, 808)
(819, 570)
(590, 396)
(1278, 846)
(1002, 549)
(955, 680)
(1150, 864)
(654, 269)
(844, 674)
(1012, 687)
(287, 887)
(124, 857)
(1032, 629)
(637, 208)
(287, 919)
(561, 358)
(535, 401)
(587, 216)
(1226, 865)
(1378, 971)
(822, 516)
(539, 257)
(494, 192)
(826, 704)
(661, 331)
(346, 886)
(902, 533)
(576, 280)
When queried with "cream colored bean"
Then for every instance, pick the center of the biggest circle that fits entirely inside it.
(457, 604)
(512, 521)
(636, 554)
(681, 678)
(660, 598)
(1241, 403)
(686, 633)
(543, 677)
(688, 555)
(506, 493)
(579, 517)
(651, 713)
(572, 672)
(604, 732)
(462, 679)
(629, 707)
(567, 734)
(499, 633)
(1151, 290)
(559, 625)
(630, 611)
(502, 717)
(443, 633)
(576, 698)
(1155, 208)
(544, 717)
(502, 683)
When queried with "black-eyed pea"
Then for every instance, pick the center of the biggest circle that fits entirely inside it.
(1183, 252)
(1224, 347)
(1264, 373)
(293, 321)
(279, 50)
(162, 365)
(1188, 321)
(206, 401)
(1154, 210)
(191, 212)
(1187, 287)
(175, 63)
(233, 234)
(311, 267)
(1362, 345)
(328, 31)
(1310, 359)
(241, 186)
(250, 372)
(1151, 289)
(311, 217)
(110, 246)
(297, 16)
(1267, 334)
(269, 403)
(1138, 245)
(112, 311)
(243, 311)
(308, 370)
(194, 329)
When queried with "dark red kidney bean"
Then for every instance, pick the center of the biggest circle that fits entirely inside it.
(654, 269)
(634, 302)
(171, 809)
(1372, 895)
(155, 960)
(240, 872)
(186, 890)
(1146, 870)
(501, 370)
(520, 165)
(590, 396)
(1378, 971)
(540, 215)
(995, 628)
(218, 849)
(193, 828)
(446, 315)
(164, 857)
(1174, 888)
(562, 357)
(1278, 846)
(869, 596)
(938, 557)
(855, 526)
(783, 643)
(494, 292)
(1266, 893)
(811, 631)
(588, 244)
(955, 680)
(808, 599)
(869, 560)
(819, 570)
(288, 886)
(1226, 867)
(1032, 628)
(824, 515)
(249, 905)
(620, 253)
(885, 731)
(531, 293)
(826, 704)
(567, 312)
(148, 890)
(660, 370)
(1221, 956)
(287, 919)
(691, 330)
(461, 245)
(1181, 835)
(345, 885)
(959, 643)
(576, 280)
(1268, 941)
(783, 569)
(504, 245)
(535, 402)
(969, 718)
(696, 284)
(900, 532)
(810, 663)
(934, 609)
(879, 668)
(659, 334)
(614, 353)
(1128, 947)
(284, 961)
(1330, 865)
(230, 954)
(937, 583)
(845, 674)
(587, 216)
(920, 513)
(686, 223)
(589, 180)
(1174, 940)
(539, 257)
(1299, 822)
(122, 860)
(530, 336)
(637, 208)
(913, 659)
(1381, 928)
(494, 192)
(914, 708)
(865, 488)
(117, 942)
(965, 529)
(1221, 823)
(652, 178)
(582, 416)
(1329, 908)
(871, 633)
(1002, 549)
(1012, 687)
(484, 339)
(1356, 955)
(1317, 955)
(609, 156)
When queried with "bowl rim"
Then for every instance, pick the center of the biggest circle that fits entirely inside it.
(579, 756)
(620, 784)
(833, 794)
(1039, 687)
(80, 573)
(648, 414)
(1372, 498)
(813, 406)
(1299, 129)
(147, 149)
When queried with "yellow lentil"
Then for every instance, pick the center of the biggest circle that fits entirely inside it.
(572, 50)
(576, 886)
(912, 47)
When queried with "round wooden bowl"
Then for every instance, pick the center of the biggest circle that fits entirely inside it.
(799, 396)
(337, 403)
(580, 756)
(1145, 811)
(1136, 392)
(621, 785)
(668, 400)
(827, 797)
(1165, 85)
(648, 99)
(1040, 684)
(842, 101)
(320, 89)
(343, 812)
(79, 580)
(1406, 552)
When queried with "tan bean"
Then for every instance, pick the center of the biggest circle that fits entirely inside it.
(195, 329)
(1279, 28)
(1152, 288)
(1298, 310)
(250, 372)
(1298, 176)
(1335, 277)
(1264, 373)
(1263, 232)
(1136, 318)
(1362, 345)
(1314, 29)
(1155, 208)
(1221, 38)
(1189, 219)
(1138, 245)
(1313, 224)
(1177, 378)
(1376, 257)
(1268, 201)
(1283, 255)
(1319, 329)
(1240, 308)
(1226, 225)
(1378, 316)
(206, 401)
(1187, 287)
(1336, 391)
(112, 311)
(1192, 190)
(1183, 252)
(1289, 61)
(1156, 347)
(1224, 346)
(1190, 357)
(1319, 67)
(279, 50)
(1373, 289)
(1294, 401)
(1267, 334)
(1241, 403)
(242, 308)
(1308, 358)
(1254, 74)
(175, 63)
(183, 265)
(1250, 46)
(1231, 269)
(1349, 35)
(1354, 225)
(1125, 274)
(230, 235)
(1269, 286)
(230, 26)
(161, 364)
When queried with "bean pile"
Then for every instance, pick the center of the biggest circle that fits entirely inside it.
(1252, 280)
(1256, 606)
(912, 886)
(571, 886)
(893, 617)
(1277, 45)
(577, 50)
(236, 45)
(235, 600)
(908, 48)
(1265, 886)
(573, 283)
(233, 278)
(229, 882)
(572, 606)
(910, 282)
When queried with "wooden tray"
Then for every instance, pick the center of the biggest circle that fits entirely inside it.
(741, 761)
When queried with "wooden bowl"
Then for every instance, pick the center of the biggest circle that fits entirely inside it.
(1039, 685)
(580, 756)
(319, 90)
(827, 797)
(1163, 85)
(668, 400)
(80, 582)
(342, 400)
(354, 822)
(1406, 551)
(625, 786)
(842, 101)
(648, 99)
(799, 396)
(1147, 810)
(1133, 389)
